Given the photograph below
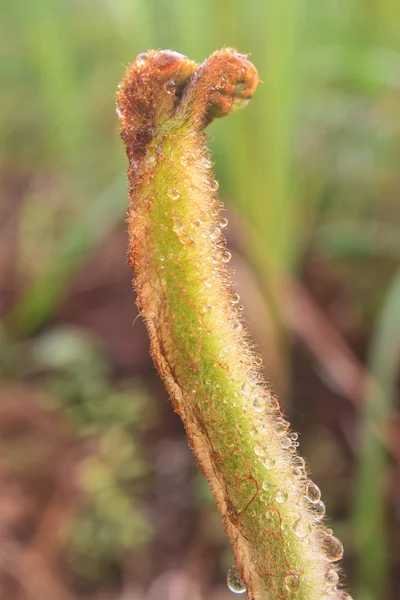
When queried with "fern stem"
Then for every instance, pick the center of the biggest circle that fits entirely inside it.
(272, 512)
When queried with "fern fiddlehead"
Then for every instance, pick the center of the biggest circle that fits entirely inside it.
(272, 511)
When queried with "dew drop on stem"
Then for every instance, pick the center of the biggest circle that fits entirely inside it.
(281, 426)
(333, 548)
(173, 193)
(213, 186)
(317, 510)
(226, 256)
(259, 404)
(234, 581)
(141, 59)
(331, 578)
(269, 462)
(299, 462)
(215, 232)
(302, 528)
(281, 496)
(292, 583)
(259, 450)
(313, 493)
(170, 87)
(297, 473)
(286, 443)
(246, 389)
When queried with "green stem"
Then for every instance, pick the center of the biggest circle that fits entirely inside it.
(272, 512)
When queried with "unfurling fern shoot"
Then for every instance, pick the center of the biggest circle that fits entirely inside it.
(272, 512)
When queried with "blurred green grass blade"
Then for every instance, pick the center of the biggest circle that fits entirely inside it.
(347, 240)
(275, 208)
(52, 55)
(370, 528)
(42, 299)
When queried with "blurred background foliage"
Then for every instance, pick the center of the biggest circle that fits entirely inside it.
(100, 497)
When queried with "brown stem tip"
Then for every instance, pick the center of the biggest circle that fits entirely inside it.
(161, 84)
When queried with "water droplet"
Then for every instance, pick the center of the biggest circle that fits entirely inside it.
(269, 462)
(292, 583)
(214, 185)
(302, 528)
(214, 213)
(329, 531)
(141, 59)
(281, 496)
(297, 473)
(208, 283)
(234, 582)
(333, 548)
(258, 361)
(259, 404)
(246, 388)
(235, 298)
(274, 404)
(286, 443)
(285, 526)
(162, 258)
(298, 461)
(226, 256)
(294, 437)
(253, 431)
(184, 237)
(318, 510)
(281, 426)
(151, 160)
(178, 226)
(188, 159)
(215, 232)
(259, 450)
(266, 486)
(170, 87)
(301, 503)
(173, 193)
(270, 515)
(331, 577)
(223, 223)
(313, 493)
